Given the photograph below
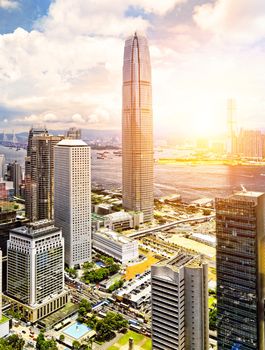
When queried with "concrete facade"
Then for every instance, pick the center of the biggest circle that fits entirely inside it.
(179, 294)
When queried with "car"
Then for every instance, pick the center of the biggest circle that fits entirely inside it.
(24, 332)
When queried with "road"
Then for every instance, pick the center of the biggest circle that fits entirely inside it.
(169, 225)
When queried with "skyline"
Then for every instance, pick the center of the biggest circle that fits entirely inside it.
(200, 49)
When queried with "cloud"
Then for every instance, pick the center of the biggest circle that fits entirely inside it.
(9, 4)
(238, 20)
(67, 71)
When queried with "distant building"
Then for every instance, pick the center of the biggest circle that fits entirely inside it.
(137, 128)
(250, 144)
(240, 264)
(179, 297)
(6, 190)
(72, 199)
(116, 245)
(14, 173)
(39, 175)
(35, 258)
(74, 134)
(2, 166)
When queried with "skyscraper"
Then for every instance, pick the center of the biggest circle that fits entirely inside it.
(2, 166)
(72, 207)
(14, 173)
(73, 133)
(179, 298)
(240, 262)
(137, 128)
(35, 260)
(39, 175)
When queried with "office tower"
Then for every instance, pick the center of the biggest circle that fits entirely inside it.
(179, 301)
(2, 166)
(14, 173)
(39, 175)
(72, 197)
(240, 232)
(73, 133)
(137, 128)
(35, 269)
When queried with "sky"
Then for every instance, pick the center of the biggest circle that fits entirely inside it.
(61, 62)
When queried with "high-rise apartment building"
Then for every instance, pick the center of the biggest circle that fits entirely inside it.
(35, 269)
(14, 173)
(72, 199)
(2, 166)
(39, 175)
(73, 133)
(179, 298)
(240, 232)
(137, 128)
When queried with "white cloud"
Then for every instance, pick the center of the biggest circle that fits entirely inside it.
(68, 70)
(237, 20)
(9, 4)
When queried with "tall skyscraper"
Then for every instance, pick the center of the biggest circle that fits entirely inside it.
(39, 175)
(35, 260)
(72, 199)
(137, 128)
(240, 231)
(179, 298)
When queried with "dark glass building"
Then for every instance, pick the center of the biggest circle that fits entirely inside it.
(240, 231)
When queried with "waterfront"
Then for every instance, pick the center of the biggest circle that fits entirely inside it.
(191, 181)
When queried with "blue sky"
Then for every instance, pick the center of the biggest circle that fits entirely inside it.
(26, 13)
(61, 62)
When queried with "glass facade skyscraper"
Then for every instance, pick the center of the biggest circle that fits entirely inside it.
(39, 175)
(240, 262)
(137, 128)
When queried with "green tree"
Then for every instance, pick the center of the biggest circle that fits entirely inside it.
(62, 337)
(43, 344)
(213, 319)
(76, 345)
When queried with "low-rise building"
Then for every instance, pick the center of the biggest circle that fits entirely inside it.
(115, 245)
(118, 220)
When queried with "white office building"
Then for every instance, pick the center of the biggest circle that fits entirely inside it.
(116, 245)
(35, 269)
(72, 199)
(179, 294)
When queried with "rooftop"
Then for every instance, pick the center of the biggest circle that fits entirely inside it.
(72, 143)
(36, 229)
(182, 259)
(119, 216)
(114, 236)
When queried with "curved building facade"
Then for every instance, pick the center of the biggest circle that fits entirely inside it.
(137, 128)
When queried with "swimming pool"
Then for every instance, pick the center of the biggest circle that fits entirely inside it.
(77, 330)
